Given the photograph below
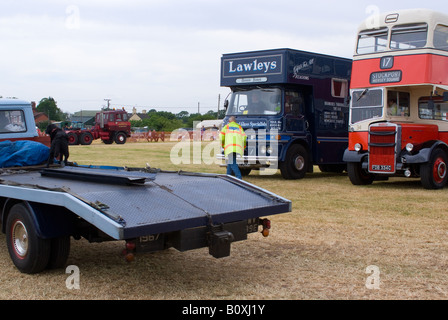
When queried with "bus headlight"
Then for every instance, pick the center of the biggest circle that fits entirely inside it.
(358, 147)
(409, 147)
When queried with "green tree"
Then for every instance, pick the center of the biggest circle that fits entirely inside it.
(50, 108)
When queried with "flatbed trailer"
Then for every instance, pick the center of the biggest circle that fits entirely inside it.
(149, 209)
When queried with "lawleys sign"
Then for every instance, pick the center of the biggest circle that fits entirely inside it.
(253, 66)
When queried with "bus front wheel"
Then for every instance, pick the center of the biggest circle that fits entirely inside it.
(358, 176)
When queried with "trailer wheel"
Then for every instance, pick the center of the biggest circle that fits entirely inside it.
(434, 173)
(86, 138)
(120, 138)
(72, 138)
(29, 252)
(358, 176)
(60, 249)
(296, 163)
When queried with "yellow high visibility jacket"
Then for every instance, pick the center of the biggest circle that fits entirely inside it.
(233, 138)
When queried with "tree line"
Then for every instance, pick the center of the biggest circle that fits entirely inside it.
(156, 120)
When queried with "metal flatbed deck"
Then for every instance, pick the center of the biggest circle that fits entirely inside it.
(129, 204)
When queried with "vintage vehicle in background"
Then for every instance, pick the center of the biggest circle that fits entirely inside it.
(292, 106)
(110, 126)
(399, 99)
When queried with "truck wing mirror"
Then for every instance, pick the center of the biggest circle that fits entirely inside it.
(347, 100)
(445, 96)
(226, 104)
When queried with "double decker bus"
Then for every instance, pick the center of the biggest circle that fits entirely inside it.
(398, 123)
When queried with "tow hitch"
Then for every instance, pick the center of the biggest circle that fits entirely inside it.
(220, 243)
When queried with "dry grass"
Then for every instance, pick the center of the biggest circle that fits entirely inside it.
(320, 250)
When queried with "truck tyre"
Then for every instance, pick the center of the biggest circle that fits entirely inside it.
(60, 249)
(29, 252)
(434, 172)
(358, 176)
(72, 138)
(120, 138)
(245, 171)
(333, 168)
(296, 162)
(86, 138)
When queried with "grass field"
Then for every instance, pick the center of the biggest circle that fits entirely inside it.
(383, 241)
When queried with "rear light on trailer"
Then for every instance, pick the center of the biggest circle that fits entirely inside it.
(129, 251)
(130, 246)
(266, 223)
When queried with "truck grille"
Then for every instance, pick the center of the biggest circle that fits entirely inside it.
(382, 148)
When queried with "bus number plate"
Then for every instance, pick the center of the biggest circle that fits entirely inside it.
(378, 167)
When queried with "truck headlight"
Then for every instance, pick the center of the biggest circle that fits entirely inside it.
(409, 147)
(358, 147)
(263, 149)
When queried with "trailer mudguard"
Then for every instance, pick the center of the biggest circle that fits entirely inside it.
(49, 221)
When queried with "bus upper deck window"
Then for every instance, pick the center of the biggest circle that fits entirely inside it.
(408, 36)
(441, 37)
(371, 41)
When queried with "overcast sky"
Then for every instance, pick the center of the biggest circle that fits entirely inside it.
(161, 54)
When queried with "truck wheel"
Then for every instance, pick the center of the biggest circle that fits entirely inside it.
(358, 176)
(120, 138)
(29, 252)
(434, 172)
(60, 249)
(296, 162)
(72, 138)
(86, 138)
(245, 171)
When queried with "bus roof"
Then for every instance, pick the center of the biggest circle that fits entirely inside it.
(403, 17)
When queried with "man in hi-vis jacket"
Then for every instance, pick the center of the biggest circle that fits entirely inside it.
(233, 140)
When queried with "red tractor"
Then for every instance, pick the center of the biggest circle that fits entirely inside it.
(110, 126)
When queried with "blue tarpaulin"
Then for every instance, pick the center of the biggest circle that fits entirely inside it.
(22, 153)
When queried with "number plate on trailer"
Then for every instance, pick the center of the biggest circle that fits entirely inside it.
(252, 225)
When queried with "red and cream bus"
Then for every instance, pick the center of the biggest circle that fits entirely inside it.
(399, 99)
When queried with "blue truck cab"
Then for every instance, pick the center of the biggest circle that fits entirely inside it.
(292, 106)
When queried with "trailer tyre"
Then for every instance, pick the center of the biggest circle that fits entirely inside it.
(358, 176)
(29, 252)
(296, 163)
(434, 173)
(60, 249)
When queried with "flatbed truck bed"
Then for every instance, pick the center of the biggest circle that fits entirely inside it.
(150, 209)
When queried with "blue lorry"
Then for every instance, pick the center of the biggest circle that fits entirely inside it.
(292, 105)
(42, 209)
